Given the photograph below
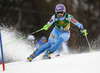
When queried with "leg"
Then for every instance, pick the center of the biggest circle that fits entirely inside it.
(39, 51)
(63, 37)
(54, 46)
(53, 36)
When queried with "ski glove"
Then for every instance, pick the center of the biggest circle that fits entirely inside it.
(46, 26)
(84, 32)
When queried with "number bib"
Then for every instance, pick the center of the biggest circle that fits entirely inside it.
(62, 25)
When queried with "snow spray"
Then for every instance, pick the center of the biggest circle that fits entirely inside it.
(16, 51)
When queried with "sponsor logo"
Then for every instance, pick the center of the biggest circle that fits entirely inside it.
(62, 22)
(67, 26)
(52, 36)
(73, 20)
(59, 8)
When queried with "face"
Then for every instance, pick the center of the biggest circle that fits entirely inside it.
(31, 41)
(60, 14)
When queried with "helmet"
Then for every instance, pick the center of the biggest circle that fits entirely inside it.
(31, 37)
(43, 37)
(59, 8)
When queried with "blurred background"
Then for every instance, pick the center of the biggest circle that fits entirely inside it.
(30, 15)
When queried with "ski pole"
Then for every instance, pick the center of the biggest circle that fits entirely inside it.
(15, 40)
(85, 34)
(22, 37)
(88, 44)
(37, 31)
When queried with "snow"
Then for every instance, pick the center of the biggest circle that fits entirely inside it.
(76, 63)
(19, 51)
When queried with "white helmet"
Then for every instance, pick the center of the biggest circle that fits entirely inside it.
(31, 37)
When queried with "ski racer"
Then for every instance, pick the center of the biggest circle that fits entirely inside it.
(31, 40)
(59, 34)
(41, 42)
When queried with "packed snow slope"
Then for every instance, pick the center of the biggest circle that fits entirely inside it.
(76, 63)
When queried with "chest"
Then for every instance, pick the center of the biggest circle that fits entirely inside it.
(65, 22)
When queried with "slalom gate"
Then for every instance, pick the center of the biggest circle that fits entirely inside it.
(3, 64)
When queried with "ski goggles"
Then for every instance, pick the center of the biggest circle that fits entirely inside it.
(61, 12)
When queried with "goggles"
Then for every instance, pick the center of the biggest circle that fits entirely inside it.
(61, 12)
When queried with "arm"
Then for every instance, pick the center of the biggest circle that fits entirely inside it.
(79, 25)
(75, 22)
(50, 22)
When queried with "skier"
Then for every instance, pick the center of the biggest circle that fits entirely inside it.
(31, 40)
(59, 34)
(41, 42)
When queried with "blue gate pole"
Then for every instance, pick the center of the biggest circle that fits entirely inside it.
(3, 64)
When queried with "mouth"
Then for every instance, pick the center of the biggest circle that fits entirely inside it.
(60, 15)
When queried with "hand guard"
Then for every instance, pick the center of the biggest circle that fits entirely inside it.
(84, 32)
(46, 26)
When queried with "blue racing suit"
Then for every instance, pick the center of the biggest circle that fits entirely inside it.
(39, 43)
(59, 34)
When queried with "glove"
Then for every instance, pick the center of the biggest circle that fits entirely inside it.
(84, 32)
(46, 26)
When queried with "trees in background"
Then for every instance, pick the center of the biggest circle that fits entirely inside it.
(30, 15)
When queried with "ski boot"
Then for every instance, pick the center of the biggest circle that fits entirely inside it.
(46, 56)
(29, 59)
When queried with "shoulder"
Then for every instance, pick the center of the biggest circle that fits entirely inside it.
(69, 15)
(53, 16)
